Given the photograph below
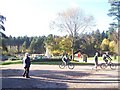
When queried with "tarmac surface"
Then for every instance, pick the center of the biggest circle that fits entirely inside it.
(51, 76)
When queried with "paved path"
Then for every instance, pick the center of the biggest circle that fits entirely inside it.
(51, 76)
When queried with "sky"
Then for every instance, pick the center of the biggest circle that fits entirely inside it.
(32, 17)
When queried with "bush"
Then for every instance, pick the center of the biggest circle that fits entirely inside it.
(13, 58)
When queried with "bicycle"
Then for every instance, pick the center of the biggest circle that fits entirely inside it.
(69, 64)
(105, 65)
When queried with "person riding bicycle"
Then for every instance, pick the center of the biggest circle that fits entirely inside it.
(105, 56)
(65, 58)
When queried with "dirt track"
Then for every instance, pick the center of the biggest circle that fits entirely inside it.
(51, 76)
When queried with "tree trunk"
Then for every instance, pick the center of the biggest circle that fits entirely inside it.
(72, 53)
(73, 48)
(18, 48)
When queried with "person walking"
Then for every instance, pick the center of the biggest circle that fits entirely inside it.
(96, 60)
(26, 65)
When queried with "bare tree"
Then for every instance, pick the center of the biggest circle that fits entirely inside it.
(73, 21)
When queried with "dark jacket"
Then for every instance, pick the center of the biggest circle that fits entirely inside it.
(26, 62)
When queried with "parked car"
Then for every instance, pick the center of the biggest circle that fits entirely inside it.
(3, 57)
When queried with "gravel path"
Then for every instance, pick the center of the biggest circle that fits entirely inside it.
(51, 76)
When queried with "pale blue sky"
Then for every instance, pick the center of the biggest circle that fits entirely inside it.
(32, 17)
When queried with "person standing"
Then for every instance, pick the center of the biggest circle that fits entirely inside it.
(79, 55)
(26, 65)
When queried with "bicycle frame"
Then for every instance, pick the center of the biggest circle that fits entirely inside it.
(105, 65)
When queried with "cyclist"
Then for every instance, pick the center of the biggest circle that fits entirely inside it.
(105, 56)
(65, 58)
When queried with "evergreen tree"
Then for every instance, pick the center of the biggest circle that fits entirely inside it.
(32, 45)
(24, 47)
(2, 35)
(115, 12)
(2, 28)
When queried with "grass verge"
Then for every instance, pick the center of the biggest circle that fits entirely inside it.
(53, 61)
(43, 62)
(11, 62)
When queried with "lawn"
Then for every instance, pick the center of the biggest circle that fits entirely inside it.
(100, 59)
(42, 62)
(55, 61)
(7, 62)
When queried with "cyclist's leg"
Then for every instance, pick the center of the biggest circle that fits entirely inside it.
(63, 61)
(66, 62)
(106, 61)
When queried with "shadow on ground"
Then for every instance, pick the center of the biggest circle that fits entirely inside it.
(12, 78)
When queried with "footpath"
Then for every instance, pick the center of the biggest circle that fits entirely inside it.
(51, 76)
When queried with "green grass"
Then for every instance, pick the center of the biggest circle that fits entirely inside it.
(82, 63)
(47, 63)
(43, 62)
(100, 58)
(11, 62)
(54, 61)
(58, 62)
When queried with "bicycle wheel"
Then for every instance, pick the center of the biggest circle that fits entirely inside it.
(103, 65)
(71, 65)
(62, 65)
(113, 66)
